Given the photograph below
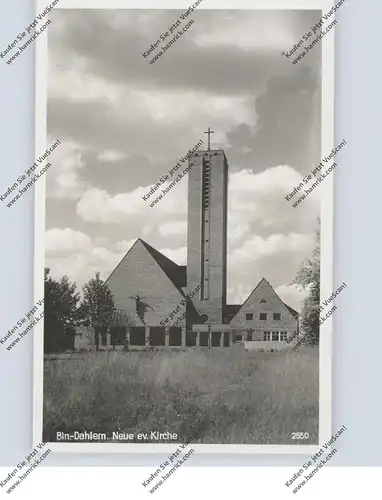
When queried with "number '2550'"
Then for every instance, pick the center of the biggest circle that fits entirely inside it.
(300, 435)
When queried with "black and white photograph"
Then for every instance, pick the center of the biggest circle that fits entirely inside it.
(183, 228)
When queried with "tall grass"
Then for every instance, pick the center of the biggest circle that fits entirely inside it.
(242, 397)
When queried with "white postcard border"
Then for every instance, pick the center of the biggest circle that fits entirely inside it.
(327, 227)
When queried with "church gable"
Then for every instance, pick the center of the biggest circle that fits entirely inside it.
(140, 274)
(264, 310)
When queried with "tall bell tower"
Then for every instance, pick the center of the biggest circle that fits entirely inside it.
(207, 231)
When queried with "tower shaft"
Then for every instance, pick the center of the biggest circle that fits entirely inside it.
(207, 232)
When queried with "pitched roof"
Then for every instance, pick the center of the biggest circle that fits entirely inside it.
(232, 311)
(177, 274)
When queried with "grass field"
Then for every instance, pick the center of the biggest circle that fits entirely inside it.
(243, 397)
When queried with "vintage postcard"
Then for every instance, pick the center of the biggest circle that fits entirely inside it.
(184, 225)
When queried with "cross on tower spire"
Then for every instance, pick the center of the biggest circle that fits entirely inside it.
(209, 132)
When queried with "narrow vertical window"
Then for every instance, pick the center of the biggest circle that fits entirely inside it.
(205, 199)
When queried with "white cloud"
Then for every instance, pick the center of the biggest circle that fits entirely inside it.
(260, 198)
(147, 229)
(239, 293)
(178, 228)
(75, 84)
(75, 254)
(193, 106)
(257, 247)
(236, 232)
(58, 241)
(63, 178)
(111, 156)
(282, 177)
(124, 246)
(97, 205)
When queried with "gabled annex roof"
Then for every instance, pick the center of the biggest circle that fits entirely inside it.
(232, 309)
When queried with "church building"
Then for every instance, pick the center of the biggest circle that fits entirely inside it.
(171, 305)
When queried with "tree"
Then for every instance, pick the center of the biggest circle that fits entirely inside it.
(61, 313)
(97, 307)
(308, 278)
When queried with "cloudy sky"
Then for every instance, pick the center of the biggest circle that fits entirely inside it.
(123, 123)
